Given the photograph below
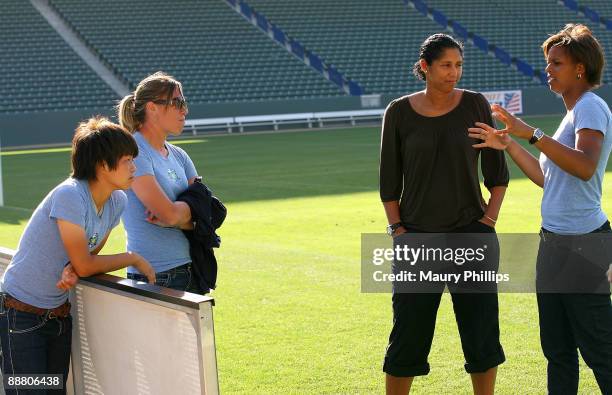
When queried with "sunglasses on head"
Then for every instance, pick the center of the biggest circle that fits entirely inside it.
(178, 102)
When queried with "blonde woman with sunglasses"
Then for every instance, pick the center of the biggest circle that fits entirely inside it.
(153, 218)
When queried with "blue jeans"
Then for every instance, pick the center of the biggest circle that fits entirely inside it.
(34, 344)
(179, 278)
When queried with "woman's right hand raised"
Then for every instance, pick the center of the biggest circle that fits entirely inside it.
(514, 125)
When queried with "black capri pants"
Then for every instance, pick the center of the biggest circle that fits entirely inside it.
(414, 318)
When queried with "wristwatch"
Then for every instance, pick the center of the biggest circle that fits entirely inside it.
(392, 228)
(537, 136)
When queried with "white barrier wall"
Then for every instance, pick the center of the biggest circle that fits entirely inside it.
(136, 338)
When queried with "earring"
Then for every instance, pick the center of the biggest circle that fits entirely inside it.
(579, 76)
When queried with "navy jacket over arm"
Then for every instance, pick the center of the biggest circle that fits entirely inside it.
(207, 214)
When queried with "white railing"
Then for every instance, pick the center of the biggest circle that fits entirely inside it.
(309, 119)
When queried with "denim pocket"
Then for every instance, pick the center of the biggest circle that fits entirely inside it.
(162, 279)
(189, 277)
(3, 309)
(21, 322)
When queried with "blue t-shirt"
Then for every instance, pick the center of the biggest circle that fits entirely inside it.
(571, 205)
(40, 258)
(164, 248)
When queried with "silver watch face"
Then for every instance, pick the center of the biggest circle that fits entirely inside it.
(392, 228)
(538, 133)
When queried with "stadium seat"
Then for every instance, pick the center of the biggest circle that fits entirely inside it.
(41, 68)
(522, 25)
(377, 46)
(213, 50)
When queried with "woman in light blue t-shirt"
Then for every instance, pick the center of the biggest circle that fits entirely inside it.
(60, 243)
(574, 266)
(153, 218)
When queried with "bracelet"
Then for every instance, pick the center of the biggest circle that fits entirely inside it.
(490, 219)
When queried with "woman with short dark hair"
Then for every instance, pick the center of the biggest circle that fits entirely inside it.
(573, 291)
(60, 243)
(429, 183)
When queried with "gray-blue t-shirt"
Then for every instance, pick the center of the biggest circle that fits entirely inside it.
(40, 258)
(164, 248)
(571, 205)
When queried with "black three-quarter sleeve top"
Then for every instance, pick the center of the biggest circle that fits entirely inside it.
(430, 166)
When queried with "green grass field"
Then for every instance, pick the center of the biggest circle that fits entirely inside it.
(289, 315)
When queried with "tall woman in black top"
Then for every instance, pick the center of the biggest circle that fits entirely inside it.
(429, 183)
